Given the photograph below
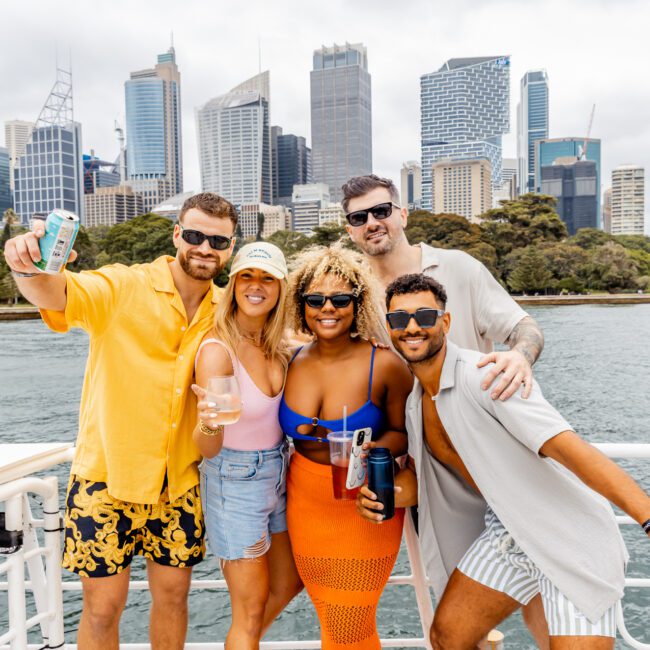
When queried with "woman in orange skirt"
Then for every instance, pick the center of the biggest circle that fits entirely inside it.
(343, 560)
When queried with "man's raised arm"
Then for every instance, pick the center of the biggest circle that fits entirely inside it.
(43, 290)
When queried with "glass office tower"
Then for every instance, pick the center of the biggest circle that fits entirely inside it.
(465, 110)
(341, 115)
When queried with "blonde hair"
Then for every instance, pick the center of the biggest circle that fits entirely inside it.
(318, 262)
(226, 329)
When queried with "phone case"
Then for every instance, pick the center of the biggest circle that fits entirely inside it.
(357, 468)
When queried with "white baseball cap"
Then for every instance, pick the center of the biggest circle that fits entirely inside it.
(260, 255)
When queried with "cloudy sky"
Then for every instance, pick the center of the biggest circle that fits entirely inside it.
(595, 52)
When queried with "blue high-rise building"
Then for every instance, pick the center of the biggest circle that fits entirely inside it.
(532, 125)
(153, 130)
(5, 189)
(99, 173)
(49, 174)
(465, 110)
(574, 185)
(549, 151)
(291, 164)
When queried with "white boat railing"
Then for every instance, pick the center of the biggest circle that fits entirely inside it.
(45, 575)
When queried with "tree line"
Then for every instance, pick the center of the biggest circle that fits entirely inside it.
(523, 242)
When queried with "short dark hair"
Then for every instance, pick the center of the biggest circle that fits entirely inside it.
(213, 205)
(416, 283)
(360, 185)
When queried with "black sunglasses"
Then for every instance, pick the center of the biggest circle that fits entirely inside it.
(338, 300)
(379, 211)
(424, 317)
(196, 238)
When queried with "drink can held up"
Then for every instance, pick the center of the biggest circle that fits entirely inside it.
(61, 228)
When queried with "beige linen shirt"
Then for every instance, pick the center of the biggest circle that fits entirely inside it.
(565, 528)
(482, 311)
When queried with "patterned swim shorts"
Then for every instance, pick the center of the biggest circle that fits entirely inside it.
(102, 534)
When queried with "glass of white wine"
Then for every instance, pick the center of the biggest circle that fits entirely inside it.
(224, 393)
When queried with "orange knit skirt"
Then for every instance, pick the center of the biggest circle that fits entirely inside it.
(343, 560)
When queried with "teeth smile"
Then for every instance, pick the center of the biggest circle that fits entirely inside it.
(255, 299)
(413, 342)
(328, 321)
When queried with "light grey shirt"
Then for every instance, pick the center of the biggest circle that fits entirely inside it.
(566, 529)
(481, 310)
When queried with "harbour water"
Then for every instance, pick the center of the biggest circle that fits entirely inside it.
(595, 370)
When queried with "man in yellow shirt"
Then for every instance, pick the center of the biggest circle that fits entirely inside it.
(134, 481)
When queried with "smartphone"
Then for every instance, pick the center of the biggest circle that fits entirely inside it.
(357, 468)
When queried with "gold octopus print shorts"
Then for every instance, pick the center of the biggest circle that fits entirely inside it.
(102, 534)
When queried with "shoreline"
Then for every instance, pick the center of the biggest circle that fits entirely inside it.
(27, 312)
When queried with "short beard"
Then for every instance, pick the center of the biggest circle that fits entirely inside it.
(386, 247)
(433, 348)
(199, 273)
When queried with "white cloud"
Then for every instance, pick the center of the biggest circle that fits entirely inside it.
(595, 51)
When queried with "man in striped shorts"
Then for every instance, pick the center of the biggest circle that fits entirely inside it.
(500, 520)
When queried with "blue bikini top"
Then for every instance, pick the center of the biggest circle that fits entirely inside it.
(369, 415)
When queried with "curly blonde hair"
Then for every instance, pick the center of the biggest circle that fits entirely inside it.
(318, 262)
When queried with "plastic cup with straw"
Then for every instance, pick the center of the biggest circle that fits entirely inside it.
(340, 452)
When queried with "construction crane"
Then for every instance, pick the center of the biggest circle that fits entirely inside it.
(583, 155)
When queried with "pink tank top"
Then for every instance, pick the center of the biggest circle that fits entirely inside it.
(258, 427)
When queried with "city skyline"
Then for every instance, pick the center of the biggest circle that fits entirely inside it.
(434, 35)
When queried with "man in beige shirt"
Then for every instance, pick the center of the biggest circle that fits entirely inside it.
(484, 312)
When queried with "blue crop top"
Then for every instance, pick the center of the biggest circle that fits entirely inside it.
(369, 415)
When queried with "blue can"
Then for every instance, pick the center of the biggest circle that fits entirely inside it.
(381, 479)
(61, 228)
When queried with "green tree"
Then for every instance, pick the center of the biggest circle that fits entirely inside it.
(530, 273)
(87, 251)
(328, 234)
(140, 240)
(10, 218)
(289, 242)
(611, 268)
(589, 238)
(526, 221)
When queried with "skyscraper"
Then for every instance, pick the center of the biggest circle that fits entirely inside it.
(99, 173)
(6, 200)
(234, 140)
(465, 110)
(306, 204)
(17, 134)
(574, 183)
(291, 164)
(49, 174)
(549, 150)
(532, 124)
(628, 200)
(411, 182)
(153, 130)
(462, 187)
(341, 115)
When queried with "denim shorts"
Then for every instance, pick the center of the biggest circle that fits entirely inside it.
(244, 498)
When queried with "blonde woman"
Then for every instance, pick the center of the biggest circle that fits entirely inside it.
(343, 560)
(243, 473)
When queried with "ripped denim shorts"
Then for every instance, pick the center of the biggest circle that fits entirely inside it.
(244, 498)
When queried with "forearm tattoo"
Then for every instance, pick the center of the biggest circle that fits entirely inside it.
(527, 338)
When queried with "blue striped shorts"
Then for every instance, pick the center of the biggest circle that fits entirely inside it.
(495, 560)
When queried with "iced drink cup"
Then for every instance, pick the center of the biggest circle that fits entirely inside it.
(340, 451)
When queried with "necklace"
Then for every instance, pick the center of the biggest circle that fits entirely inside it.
(252, 339)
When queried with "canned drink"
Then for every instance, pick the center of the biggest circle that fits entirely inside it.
(61, 228)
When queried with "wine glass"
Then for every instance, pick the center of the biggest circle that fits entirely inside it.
(224, 393)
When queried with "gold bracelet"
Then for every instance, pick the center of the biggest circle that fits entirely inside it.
(206, 430)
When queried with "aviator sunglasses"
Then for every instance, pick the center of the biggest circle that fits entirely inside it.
(379, 211)
(318, 300)
(424, 317)
(196, 238)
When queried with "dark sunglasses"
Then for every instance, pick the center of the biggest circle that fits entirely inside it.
(424, 317)
(379, 211)
(196, 238)
(338, 300)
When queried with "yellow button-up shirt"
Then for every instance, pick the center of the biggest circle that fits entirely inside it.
(137, 410)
